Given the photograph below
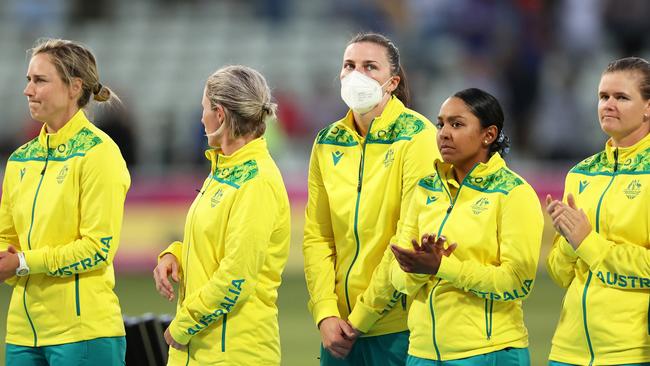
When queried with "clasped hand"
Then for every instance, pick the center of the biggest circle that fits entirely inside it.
(338, 336)
(568, 220)
(8, 263)
(425, 258)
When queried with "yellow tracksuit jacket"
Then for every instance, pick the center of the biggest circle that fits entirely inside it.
(359, 189)
(604, 319)
(62, 204)
(473, 305)
(235, 247)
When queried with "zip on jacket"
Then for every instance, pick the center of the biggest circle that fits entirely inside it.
(356, 218)
(584, 296)
(452, 201)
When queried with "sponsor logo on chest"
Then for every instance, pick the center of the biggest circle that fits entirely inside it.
(583, 185)
(336, 157)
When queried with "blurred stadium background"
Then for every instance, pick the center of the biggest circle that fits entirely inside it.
(542, 59)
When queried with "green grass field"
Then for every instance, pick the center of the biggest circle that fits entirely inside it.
(300, 339)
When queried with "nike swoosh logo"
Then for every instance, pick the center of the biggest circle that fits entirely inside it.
(431, 199)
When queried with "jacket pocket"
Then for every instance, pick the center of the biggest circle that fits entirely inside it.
(76, 294)
(488, 317)
(223, 332)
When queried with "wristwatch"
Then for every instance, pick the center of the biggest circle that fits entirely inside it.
(23, 269)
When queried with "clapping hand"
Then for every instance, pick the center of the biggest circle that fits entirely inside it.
(425, 258)
(568, 220)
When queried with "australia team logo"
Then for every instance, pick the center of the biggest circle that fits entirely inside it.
(633, 189)
(389, 158)
(216, 198)
(480, 205)
(62, 174)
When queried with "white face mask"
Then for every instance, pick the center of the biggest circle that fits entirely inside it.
(360, 92)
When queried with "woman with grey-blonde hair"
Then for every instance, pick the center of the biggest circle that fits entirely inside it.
(236, 240)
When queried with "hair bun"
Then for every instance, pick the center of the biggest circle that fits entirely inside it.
(101, 93)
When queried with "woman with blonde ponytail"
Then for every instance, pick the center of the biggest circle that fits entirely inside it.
(60, 219)
(236, 242)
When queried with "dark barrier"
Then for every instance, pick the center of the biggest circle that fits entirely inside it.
(145, 344)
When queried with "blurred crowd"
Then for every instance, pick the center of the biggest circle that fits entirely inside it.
(542, 59)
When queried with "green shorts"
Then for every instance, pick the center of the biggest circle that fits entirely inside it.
(504, 357)
(556, 363)
(389, 350)
(109, 351)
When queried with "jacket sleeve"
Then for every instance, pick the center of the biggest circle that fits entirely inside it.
(175, 248)
(520, 228)
(103, 186)
(8, 235)
(628, 264)
(562, 259)
(380, 295)
(319, 250)
(408, 283)
(561, 262)
(247, 238)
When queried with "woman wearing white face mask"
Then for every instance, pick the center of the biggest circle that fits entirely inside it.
(362, 172)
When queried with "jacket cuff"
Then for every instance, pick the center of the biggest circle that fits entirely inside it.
(363, 317)
(178, 334)
(449, 268)
(592, 249)
(35, 261)
(175, 248)
(324, 309)
(567, 249)
(12, 281)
